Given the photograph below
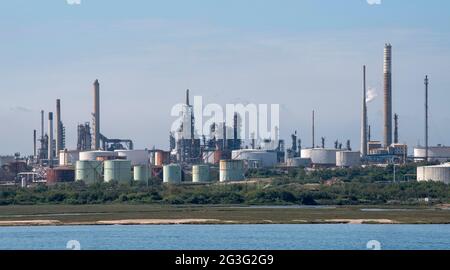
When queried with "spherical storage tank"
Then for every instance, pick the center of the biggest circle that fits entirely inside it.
(440, 173)
(137, 157)
(117, 170)
(320, 156)
(231, 170)
(88, 171)
(96, 155)
(172, 174)
(348, 159)
(141, 173)
(200, 174)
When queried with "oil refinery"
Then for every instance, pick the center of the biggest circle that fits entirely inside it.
(222, 156)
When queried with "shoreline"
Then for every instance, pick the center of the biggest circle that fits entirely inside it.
(155, 222)
(120, 214)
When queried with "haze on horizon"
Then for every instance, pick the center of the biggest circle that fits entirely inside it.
(303, 55)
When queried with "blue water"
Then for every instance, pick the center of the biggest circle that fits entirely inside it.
(226, 237)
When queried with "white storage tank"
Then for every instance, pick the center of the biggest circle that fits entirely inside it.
(348, 159)
(68, 157)
(117, 170)
(231, 170)
(439, 173)
(89, 171)
(200, 174)
(172, 174)
(137, 157)
(264, 158)
(320, 156)
(435, 153)
(96, 155)
(141, 173)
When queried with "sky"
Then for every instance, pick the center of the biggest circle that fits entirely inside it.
(302, 54)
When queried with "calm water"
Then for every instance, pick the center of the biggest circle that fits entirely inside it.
(225, 237)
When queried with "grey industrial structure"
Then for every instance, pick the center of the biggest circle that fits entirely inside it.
(99, 158)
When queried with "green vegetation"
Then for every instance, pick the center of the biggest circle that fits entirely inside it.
(370, 186)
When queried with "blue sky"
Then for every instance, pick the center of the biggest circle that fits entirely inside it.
(303, 55)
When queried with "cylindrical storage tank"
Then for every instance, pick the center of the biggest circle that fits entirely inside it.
(141, 173)
(440, 173)
(348, 159)
(264, 158)
(217, 156)
(68, 157)
(137, 157)
(200, 174)
(161, 158)
(231, 170)
(435, 153)
(88, 171)
(421, 174)
(117, 170)
(172, 174)
(95, 155)
(320, 156)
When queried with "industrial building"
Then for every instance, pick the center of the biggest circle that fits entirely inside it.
(98, 158)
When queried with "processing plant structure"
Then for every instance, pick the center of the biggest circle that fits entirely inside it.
(220, 156)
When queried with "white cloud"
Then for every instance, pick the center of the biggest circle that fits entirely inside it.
(73, 2)
(374, 2)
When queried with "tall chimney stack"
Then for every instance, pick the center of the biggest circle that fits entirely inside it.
(58, 127)
(42, 125)
(187, 97)
(364, 117)
(426, 118)
(96, 124)
(34, 143)
(395, 128)
(50, 139)
(387, 70)
(313, 130)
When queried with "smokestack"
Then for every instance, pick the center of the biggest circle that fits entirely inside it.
(235, 131)
(34, 143)
(313, 130)
(395, 128)
(50, 139)
(364, 117)
(387, 95)
(187, 97)
(96, 124)
(42, 125)
(58, 127)
(369, 136)
(225, 136)
(426, 118)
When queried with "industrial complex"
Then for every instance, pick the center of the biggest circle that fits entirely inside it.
(191, 158)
